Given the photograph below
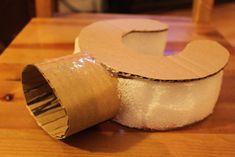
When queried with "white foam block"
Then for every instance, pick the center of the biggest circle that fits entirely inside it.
(164, 105)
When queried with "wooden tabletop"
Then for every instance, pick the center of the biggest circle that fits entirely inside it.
(42, 39)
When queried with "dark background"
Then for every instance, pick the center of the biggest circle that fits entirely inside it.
(15, 14)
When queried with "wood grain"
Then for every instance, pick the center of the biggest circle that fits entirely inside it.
(45, 38)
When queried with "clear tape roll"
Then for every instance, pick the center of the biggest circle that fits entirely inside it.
(69, 94)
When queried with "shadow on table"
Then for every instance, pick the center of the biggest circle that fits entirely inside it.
(111, 137)
(106, 137)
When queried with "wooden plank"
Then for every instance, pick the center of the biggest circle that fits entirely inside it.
(12, 55)
(106, 144)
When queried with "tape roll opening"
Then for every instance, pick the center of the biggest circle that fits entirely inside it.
(43, 103)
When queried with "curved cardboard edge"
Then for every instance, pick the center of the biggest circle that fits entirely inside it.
(103, 40)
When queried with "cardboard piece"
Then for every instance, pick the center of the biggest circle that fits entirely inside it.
(69, 94)
(104, 40)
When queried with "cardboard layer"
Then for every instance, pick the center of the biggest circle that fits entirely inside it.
(69, 94)
(104, 41)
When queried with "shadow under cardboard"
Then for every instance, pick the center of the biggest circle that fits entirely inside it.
(106, 137)
(111, 137)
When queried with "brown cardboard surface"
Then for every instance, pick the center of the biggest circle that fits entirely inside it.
(104, 41)
(68, 94)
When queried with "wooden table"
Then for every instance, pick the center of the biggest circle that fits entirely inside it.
(48, 38)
